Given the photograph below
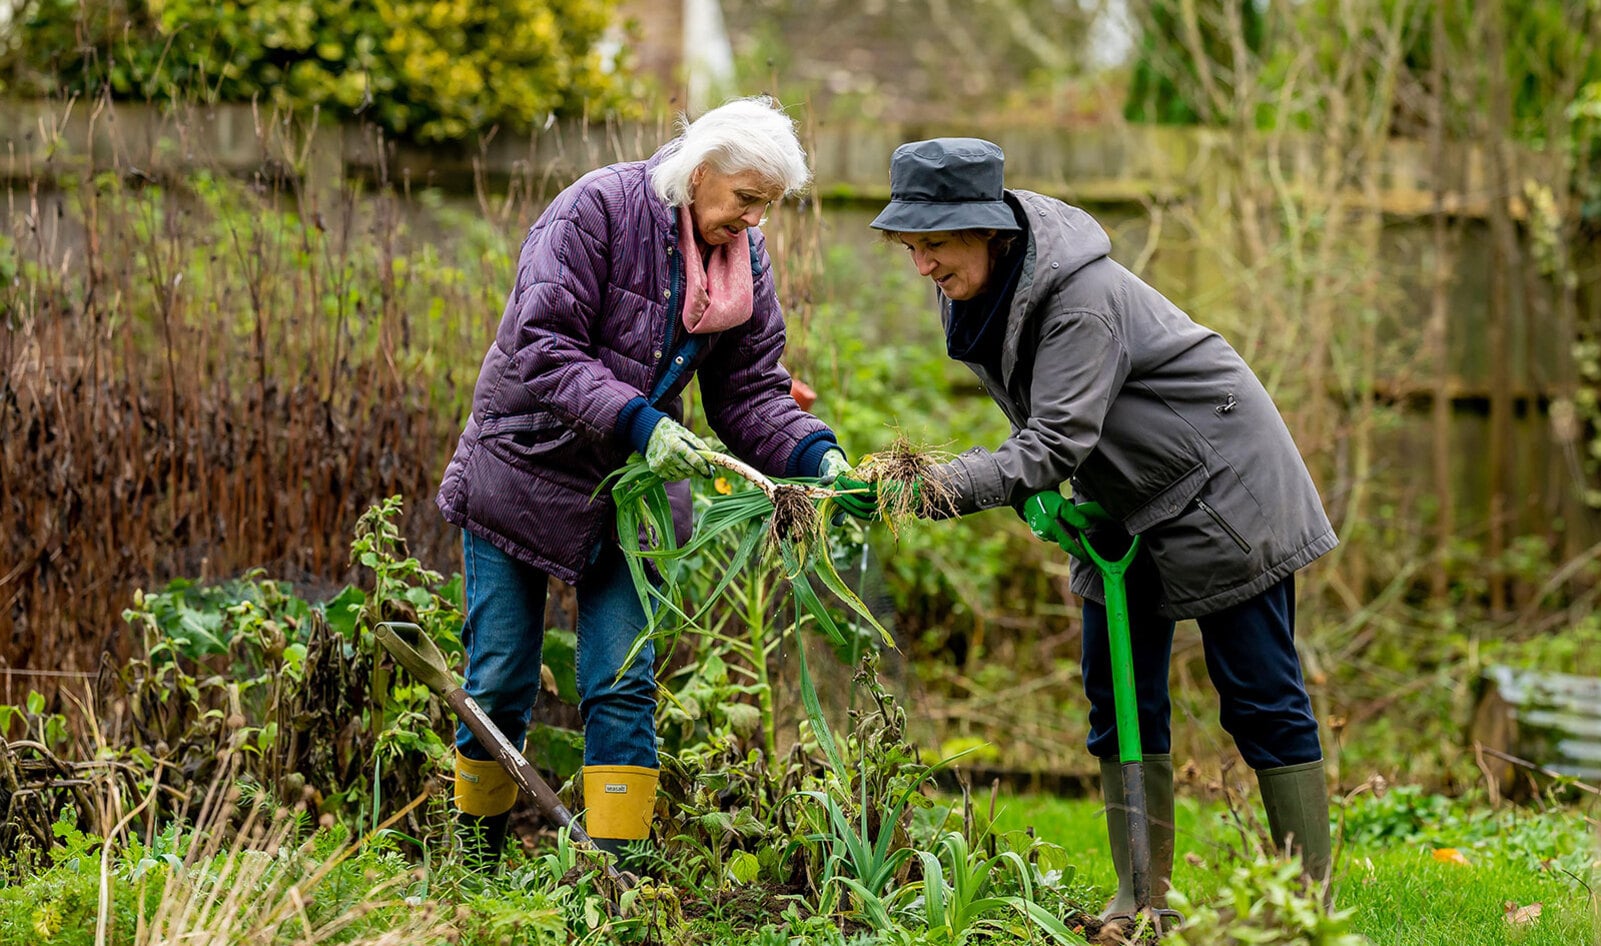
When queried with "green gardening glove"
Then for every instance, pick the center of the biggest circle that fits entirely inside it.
(862, 500)
(1055, 518)
(859, 498)
(673, 453)
(1044, 514)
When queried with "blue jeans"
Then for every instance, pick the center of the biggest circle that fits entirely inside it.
(1250, 656)
(505, 632)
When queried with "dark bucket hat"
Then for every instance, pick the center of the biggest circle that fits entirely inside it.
(946, 184)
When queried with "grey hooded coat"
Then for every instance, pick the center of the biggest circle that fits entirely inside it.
(1111, 386)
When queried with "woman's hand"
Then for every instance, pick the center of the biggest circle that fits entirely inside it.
(857, 497)
(673, 453)
(1056, 518)
(834, 465)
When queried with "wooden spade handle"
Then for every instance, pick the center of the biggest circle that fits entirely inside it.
(414, 650)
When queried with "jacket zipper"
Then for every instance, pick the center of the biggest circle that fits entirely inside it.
(1223, 524)
(675, 271)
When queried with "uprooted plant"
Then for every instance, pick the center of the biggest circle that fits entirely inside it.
(789, 514)
(793, 514)
(832, 819)
(907, 484)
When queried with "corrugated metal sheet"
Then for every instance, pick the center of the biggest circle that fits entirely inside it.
(1551, 719)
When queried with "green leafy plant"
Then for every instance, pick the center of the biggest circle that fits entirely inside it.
(33, 722)
(859, 856)
(574, 885)
(1261, 902)
(863, 851)
(297, 688)
(962, 907)
(421, 70)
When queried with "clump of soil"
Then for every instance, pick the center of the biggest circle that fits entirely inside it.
(908, 485)
(795, 518)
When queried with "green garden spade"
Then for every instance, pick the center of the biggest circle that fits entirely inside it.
(414, 650)
(1054, 518)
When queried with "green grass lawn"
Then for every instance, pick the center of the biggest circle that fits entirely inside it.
(1400, 893)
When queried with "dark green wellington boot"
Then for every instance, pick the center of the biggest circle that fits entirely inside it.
(482, 840)
(1296, 798)
(1159, 813)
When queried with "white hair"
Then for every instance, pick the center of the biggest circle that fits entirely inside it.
(750, 134)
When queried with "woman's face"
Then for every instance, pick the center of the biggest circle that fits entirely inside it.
(958, 261)
(725, 205)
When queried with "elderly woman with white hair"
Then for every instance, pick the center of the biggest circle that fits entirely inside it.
(638, 277)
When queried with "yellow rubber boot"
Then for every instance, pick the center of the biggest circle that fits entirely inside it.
(619, 804)
(485, 794)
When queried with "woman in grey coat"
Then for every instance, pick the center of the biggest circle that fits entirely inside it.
(1111, 387)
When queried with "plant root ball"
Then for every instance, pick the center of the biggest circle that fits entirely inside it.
(795, 518)
(905, 464)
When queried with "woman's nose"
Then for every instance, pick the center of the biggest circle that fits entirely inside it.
(752, 217)
(924, 262)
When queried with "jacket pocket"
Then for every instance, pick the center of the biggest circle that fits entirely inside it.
(1168, 502)
(531, 441)
(536, 422)
(1223, 524)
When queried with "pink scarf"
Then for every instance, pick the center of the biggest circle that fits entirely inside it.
(718, 294)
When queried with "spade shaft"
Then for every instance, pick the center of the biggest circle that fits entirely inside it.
(414, 650)
(1130, 752)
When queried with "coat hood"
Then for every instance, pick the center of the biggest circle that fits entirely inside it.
(1062, 239)
(1062, 234)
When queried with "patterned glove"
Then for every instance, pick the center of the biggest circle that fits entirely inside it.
(672, 452)
(834, 465)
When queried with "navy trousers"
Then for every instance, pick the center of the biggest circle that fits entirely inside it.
(1250, 656)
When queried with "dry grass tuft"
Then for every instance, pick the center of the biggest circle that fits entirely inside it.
(248, 877)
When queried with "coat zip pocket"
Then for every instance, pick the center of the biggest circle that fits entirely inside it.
(1223, 524)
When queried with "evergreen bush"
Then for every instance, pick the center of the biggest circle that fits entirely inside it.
(423, 70)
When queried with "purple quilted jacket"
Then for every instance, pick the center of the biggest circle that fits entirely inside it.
(589, 329)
